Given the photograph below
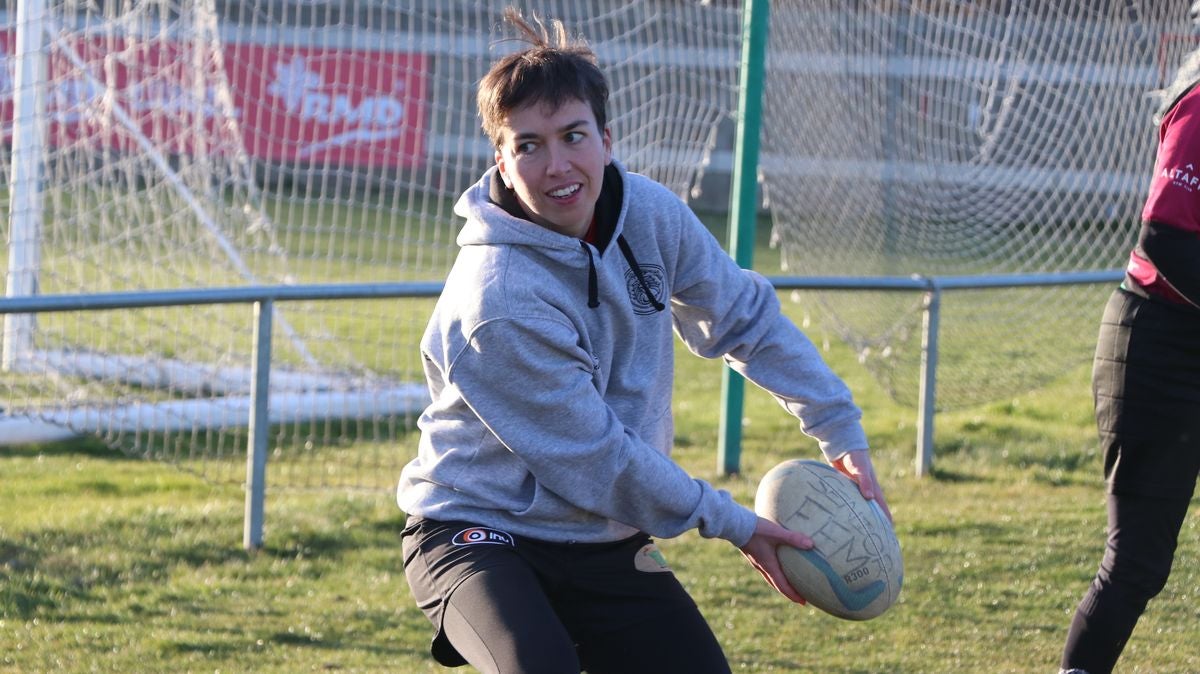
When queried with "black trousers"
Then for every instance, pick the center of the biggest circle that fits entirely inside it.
(507, 604)
(1146, 382)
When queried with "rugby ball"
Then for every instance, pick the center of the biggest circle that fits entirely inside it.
(854, 570)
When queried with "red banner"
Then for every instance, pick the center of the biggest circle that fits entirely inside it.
(354, 107)
(294, 105)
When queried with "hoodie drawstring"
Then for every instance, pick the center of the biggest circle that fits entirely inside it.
(593, 285)
(637, 271)
(593, 289)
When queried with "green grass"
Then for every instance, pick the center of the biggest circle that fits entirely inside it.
(115, 564)
(109, 563)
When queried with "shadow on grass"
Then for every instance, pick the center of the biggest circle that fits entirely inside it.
(89, 447)
(963, 530)
(230, 639)
(23, 592)
(226, 444)
(47, 570)
(957, 477)
(310, 544)
(1069, 461)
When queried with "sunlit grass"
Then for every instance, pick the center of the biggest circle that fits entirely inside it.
(125, 565)
(112, 563)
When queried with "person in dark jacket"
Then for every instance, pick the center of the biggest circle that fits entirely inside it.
(1146, 383)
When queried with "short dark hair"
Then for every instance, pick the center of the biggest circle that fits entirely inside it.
(553, 70)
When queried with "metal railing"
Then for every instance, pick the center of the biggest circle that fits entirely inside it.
(933, 286)
(263, 298)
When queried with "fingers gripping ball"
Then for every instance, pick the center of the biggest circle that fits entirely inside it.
(854, 570)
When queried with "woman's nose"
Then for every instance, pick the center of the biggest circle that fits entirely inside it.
(559, 160)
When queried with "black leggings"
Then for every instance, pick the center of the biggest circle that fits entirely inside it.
(1146, 381)
(500, 621)
(507, 604)
(1142, 535)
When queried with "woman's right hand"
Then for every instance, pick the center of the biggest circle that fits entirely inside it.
(762, 552)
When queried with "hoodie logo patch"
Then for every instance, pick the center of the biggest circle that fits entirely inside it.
(654, 276)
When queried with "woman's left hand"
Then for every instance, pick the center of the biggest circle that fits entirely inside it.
(857, 466)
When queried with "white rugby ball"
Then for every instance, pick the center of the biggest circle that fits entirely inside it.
(854, 570)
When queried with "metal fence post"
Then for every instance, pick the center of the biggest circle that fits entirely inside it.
(257, 434)
(928, 395)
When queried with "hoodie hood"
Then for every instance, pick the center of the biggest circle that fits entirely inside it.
(488, 223)
(494, 217)
(483, 204)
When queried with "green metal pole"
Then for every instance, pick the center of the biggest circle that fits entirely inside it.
(743, 208)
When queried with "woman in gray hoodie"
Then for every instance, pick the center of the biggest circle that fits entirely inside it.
(544, 464)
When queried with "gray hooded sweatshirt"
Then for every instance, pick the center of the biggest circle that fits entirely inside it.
(550, 366)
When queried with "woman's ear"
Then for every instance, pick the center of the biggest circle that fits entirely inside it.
(502, 170)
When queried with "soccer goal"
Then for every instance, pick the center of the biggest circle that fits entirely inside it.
(191, 144)
(183, 144)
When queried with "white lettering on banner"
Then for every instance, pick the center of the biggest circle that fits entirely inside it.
(377, 111)
(75, 99)
(300, 89)
(161, 94)
(292, 81)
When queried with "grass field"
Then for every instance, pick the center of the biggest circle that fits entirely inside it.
(109, 563)
(114, 564)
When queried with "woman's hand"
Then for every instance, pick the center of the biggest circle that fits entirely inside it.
(857, 466)
(762, 552)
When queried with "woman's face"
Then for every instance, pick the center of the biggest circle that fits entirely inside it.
(553, 159)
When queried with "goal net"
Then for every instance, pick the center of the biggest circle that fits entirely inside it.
(964, 138)
(169, 144)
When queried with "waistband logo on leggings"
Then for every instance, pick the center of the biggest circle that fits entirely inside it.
(483, 536)
(651, 560)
